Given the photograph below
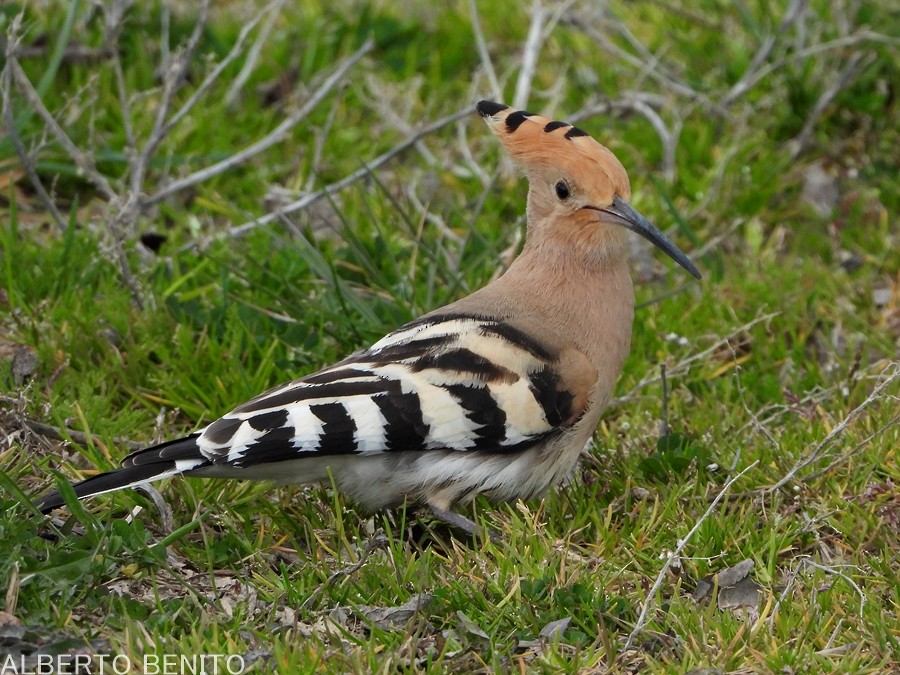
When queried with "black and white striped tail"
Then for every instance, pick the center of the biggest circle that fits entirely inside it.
(160, 461)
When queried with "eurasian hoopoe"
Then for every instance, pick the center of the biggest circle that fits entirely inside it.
(494, 394)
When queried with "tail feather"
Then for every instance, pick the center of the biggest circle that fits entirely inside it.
(182, 448)
(150, 464)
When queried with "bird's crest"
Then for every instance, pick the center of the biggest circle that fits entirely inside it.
(536, 141)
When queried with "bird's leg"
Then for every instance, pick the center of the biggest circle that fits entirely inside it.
(463, 524)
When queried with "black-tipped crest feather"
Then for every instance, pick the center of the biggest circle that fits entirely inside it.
(489, 108)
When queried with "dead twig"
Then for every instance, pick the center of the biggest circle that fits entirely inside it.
(530, 53)
(59, 433)
(795, 573)
(213, 76)
(856, 449)
(175, 69)
(646, 63)
(83, 160)
(125, 105)
(643, 104)
(319, 145)
(676, 555)
(855, 63)
(483, 54)
(893, 375)
(10, 123)
(337, 186)
(210, 78)
(668, 137)
(387, 107)
(542, 23)
(377, 542)
(271, 11)
(71, 54)
(749, 78)
(683, 366)
(754, 419)
(275, 136)
(155, 496)
(835, 651)
(831, 570)
(851, 40)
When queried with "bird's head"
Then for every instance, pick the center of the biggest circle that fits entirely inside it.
(578, 190)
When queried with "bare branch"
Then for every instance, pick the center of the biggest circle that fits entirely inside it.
(319, 146)
(669, 139)
(71, 54)
(676, 555)
(840, 43)
(893, 375)
(113, 15)
(831, 570)
(164, 25)
(122, 92)
(211, 77)
(272, 11)
(10, 123)
(854, 64)
(856, 449)
(275, 136)
(543, 21)
(377, 542)
(748, 79)
(483, 54)
(387, 107)
(647, 64)
(530, 55)
(469, 163)
(754, 418)
(61, 433)
(642, 103)
(120, 227)
(84, 161)
(362, 172)
(175, 70)
(683, 366)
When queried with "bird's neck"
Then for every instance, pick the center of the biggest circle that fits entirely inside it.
(590, 298)
(587, 301)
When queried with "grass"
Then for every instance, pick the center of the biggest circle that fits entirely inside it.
(796, 323)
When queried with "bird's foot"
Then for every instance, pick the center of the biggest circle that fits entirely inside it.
(463, 524)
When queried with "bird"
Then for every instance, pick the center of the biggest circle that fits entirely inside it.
(495, 394)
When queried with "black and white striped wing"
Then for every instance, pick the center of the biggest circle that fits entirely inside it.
(440, 383)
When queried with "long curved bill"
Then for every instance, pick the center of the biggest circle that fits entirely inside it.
(621, 213)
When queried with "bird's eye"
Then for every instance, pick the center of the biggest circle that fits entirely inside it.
(562, 190)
